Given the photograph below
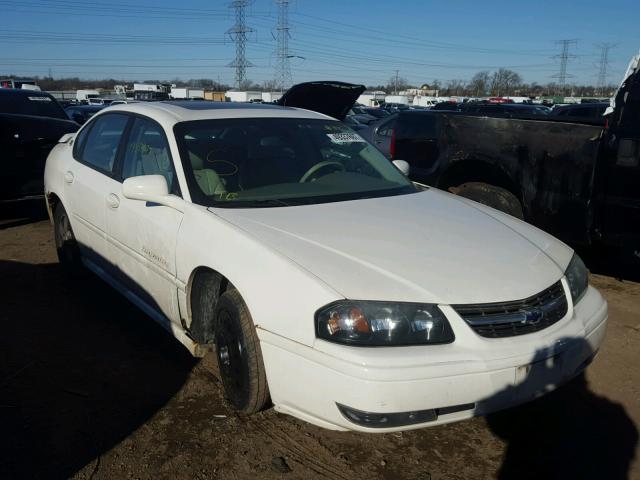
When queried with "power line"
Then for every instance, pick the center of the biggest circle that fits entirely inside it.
(239, 35)
(604, 64)
(564, 57)
(283, 67)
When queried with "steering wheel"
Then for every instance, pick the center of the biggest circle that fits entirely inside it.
(319, 166)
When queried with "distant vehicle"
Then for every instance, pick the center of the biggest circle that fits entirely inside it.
(100, 101)
(81, 113)
(151, 92)
(83, 96)
(31, 123)
(187, 94)
(24, 84)
(510, 110)
(581, 111)
(363, 118)
(242, 96)
(447, 106)
(394, 107)
(375, 112)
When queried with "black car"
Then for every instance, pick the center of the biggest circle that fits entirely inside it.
(583, 111)
(447, 106)
(82, 113)
(508, 110)
(375, 112)
(31, 123)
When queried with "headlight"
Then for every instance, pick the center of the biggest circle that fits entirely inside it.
(375, 324)
(577, 278)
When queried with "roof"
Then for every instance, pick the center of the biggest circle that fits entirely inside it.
(182, 111)
(24, 92)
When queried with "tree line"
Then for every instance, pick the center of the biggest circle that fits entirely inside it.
(502, 82)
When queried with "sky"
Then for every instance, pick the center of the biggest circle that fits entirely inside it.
(350, 40)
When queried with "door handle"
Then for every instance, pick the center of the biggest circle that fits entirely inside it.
(68, 177)
(113, 200)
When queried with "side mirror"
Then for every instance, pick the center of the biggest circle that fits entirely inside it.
(151, 188)
(403, 166)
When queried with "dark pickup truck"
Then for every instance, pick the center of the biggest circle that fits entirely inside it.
(31, 123)
(578, 181)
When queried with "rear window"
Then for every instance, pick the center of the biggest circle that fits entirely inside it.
(417, 125)
(37, 105)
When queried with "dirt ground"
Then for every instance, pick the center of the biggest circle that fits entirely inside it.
(91, 388)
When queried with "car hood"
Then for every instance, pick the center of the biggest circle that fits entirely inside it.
(423, 247)
(334, 99)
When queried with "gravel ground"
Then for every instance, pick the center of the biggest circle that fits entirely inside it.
(92, 388)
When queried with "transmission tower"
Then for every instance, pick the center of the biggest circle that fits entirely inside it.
(283, 67)
(564, 57)
(603, 65)
(238, 34)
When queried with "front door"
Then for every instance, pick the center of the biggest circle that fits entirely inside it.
(142, 236)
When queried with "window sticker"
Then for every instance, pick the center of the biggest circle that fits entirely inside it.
(342, 138)
(39, 99)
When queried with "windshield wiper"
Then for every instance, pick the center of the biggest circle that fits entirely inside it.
(261, 203)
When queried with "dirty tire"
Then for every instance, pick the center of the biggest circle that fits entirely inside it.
(239, 355)
(492, 196)
(66, 245)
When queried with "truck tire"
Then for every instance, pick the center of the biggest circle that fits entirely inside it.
(66, 245)
(491, 196)
(239, 355)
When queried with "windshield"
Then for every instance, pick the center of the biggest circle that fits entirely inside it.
(264, 162)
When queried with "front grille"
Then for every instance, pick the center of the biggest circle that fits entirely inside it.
(509, 319)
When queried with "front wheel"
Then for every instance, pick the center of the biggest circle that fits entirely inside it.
(239, 354)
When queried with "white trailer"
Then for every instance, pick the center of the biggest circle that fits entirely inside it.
(85, 95)
(237, 96)
(422, 101)
(403, 99)
(371, 99)
(187, 93)
(270, 97)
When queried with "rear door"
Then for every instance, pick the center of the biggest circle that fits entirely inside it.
(142, 236)
(89, 180)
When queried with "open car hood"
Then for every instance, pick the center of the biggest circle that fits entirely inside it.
(330, 98)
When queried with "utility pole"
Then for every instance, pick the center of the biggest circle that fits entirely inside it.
(283, 67)
(603, 66)
(564, 57)
(238, 34)
(395, 92)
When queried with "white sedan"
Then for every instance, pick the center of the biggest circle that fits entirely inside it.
(325, 281)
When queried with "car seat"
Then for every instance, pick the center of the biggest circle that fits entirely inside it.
(208, 180)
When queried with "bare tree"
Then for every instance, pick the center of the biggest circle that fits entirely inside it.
(479, 84)
(504, 82)
(395, 84)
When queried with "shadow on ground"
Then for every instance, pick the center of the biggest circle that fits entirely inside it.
(80, 370)
(568, 434)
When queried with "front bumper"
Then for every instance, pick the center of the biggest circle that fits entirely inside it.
(484, 375)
